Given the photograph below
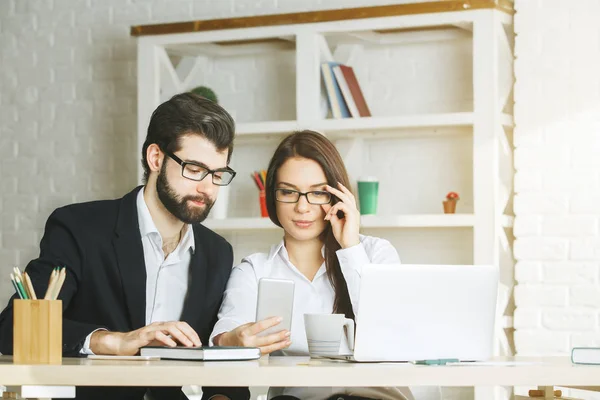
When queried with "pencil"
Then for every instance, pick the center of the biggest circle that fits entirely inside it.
(253, 176)
(29, 286)
(17, 272)
(258, 181)
(264, 178)
(50, 288)
(59, 283)
(12, 279)
(21, 278)
(21, 287)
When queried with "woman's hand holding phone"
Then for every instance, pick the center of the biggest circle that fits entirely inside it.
(247, 336)
(344, 229)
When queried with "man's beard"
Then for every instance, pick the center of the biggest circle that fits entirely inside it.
(178, 206)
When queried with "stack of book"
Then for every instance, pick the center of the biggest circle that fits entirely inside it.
(343, 91)
(215, 353)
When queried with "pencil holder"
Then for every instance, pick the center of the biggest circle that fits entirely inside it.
(262, 199)
(37, 332)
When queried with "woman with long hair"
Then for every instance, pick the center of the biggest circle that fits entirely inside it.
(308, 195)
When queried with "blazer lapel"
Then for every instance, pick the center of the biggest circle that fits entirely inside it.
(130, 259)
(194, 300)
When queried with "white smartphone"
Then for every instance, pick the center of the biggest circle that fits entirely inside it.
(275, 299)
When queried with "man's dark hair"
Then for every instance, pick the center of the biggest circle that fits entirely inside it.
(185, 114)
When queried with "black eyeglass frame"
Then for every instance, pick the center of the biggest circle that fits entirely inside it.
(300, 194)
(204, 167)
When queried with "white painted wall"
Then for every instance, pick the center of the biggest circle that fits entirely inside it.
(557, 95)
(557, 247)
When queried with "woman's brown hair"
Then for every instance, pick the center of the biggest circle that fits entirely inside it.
(314, 146)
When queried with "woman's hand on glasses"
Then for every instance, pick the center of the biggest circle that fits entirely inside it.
(345, 230)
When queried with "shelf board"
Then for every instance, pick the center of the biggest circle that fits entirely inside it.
(400, 122)
(418, 221)
(237, 224)
(366, 124)
(321, 16)
(367, 222)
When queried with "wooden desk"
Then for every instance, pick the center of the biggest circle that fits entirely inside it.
(296, 371)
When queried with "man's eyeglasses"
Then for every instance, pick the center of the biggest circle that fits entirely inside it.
(292, 196)
(197, 172)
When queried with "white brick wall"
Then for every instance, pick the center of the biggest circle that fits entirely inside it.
(557, 202)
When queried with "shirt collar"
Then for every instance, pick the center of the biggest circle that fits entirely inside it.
(280, 248)
(188, 242)
(275, 249)
(147, 226)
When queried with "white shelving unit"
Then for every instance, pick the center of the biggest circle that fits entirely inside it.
(366, 222)
(167, 63)
(342, 126)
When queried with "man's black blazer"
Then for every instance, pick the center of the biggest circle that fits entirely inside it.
(100, 245)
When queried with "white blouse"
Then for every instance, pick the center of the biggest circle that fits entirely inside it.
(316, 296)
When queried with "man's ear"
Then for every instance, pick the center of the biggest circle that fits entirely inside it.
(154, 157)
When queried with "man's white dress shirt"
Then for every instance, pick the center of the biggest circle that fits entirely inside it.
(316, 296)
(166, 279)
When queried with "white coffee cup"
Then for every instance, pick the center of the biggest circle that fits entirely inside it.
(329, 334)
(219, 208)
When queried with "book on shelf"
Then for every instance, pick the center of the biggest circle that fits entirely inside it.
(343, 91)
(216, 353)
(339, 77)
(585, 355)
(338, 106)
(353, 95)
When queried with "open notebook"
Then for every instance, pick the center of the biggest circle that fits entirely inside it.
(202, 353)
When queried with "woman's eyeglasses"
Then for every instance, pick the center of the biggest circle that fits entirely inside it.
(293, 196)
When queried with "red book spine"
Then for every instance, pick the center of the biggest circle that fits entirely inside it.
(357, 94)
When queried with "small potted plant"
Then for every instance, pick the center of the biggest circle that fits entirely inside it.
(205, 92)
(450, 203)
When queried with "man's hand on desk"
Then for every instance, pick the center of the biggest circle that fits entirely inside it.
(155, 334)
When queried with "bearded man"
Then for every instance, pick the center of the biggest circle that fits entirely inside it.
(142, 270)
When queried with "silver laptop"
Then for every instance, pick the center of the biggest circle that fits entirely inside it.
(426, 312)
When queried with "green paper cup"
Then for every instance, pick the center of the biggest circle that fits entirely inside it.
(368, 190)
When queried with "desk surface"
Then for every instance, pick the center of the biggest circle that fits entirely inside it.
(297, 371)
